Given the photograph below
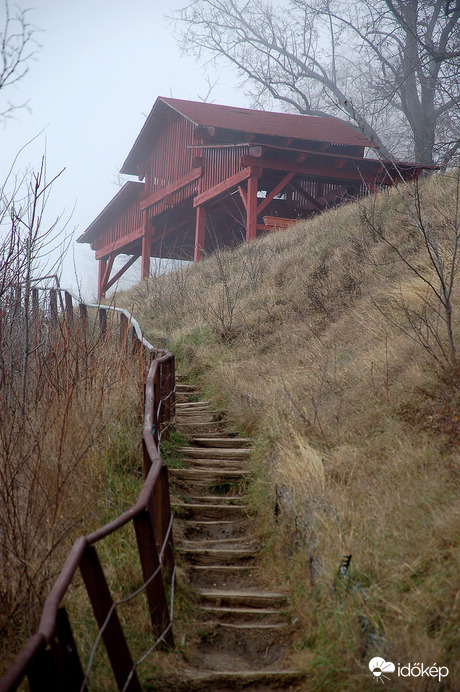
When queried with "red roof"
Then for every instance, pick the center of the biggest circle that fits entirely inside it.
(306, 127)
(245, 120)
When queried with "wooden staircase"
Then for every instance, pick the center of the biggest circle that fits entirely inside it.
(242, 628)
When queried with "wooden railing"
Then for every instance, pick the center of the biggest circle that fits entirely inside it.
(49, 659)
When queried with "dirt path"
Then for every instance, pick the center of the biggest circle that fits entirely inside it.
(242, 628)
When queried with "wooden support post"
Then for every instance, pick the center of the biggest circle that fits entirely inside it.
(100, 279)
(68, 309)
(83, 317)
(53, 307)
(107, 618)
(156, 597)
(35, 304)
(156, 412)
(163, 519)
(42, 670)
(251, 205)
(200, 232)
(68, 665)
(124, 326)
(172, 389)
(103, 322)
(135, 343)
(146, 248)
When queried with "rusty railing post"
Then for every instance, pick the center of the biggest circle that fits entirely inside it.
(124, 326)
(104, 610)
(41, 668)
(172, 384)
(68, 665)
(83, 317)
(35, 303)
(156, 403)
(68, 309)
(53, 307)
(103, 322)
(156, 597)
(135, 343)
(162, 519)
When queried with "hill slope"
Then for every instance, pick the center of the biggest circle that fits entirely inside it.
(328, 343)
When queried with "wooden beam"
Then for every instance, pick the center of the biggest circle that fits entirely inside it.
(146, 247)
(172, 187)
(105, 267)
(223, 187)
(251, 205)
(366, 173)
(121, 271)
(276, 190)
(307, 195)
(120, 244)
(200, 233)
(102, 265)
(108, 269)
(242, 192)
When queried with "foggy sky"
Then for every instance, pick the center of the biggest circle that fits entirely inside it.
(101, 65)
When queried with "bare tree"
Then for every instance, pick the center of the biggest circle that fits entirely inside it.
(18, 46)
(389, 66)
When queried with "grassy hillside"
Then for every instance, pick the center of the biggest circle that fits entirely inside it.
(327, 342)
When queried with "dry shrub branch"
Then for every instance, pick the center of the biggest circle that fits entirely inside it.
(55, 440)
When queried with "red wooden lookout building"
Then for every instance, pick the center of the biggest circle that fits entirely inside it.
(216, 175)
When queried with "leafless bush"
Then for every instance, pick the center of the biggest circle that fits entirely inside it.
(425, 301)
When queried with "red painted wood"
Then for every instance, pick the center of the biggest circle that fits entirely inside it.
(307, 196)
(196, 154)
(276, 190)
(146, 246)
(101, 272)
(120, 272)
(172, 187)
(251, 205)
(121, 243)
(367, 171)
(221, 188)
(271, 222)
(200, 232)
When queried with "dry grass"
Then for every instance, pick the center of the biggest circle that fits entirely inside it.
(309, 338)
(58, 453)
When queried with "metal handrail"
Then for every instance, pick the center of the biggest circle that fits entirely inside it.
(151, 516)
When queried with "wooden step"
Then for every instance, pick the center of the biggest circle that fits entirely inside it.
(227, 442)
(226, 680)
(184, 406)
(214, 453)
(221, 576)
(216, 499)
(237, 614)
(187, 411)
(222, 511)
(250, 597)
(237, 542)
(212, 424)
(196, 422)
(211, 475)
(217, 464)
(213, 556)
(211, 528)
(185, 388)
